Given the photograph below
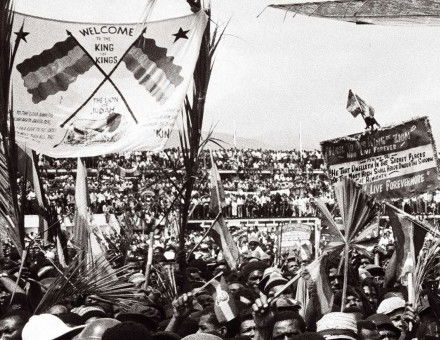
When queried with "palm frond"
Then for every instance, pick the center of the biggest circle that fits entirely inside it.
(163, 280)
(98, 279)
(193, 113)
(426, 267)
(9, 209)
(357, 208)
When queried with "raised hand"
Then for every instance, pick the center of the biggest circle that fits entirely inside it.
(263, 315)
(182, 306)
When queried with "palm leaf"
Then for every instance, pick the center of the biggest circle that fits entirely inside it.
(9, 212)
(83, 278)
(358, 209)
(426, 267)
(192, 120)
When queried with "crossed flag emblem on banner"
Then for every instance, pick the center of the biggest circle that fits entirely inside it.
(149, 63)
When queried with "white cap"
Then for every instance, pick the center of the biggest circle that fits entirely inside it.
(391, 304)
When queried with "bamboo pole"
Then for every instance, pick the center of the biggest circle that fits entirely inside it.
(23, 259)
(149, 258)
(344, 288)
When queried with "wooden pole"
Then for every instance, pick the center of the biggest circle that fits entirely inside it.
(149, 258)
(344, 288)
(411, 295)
(280, 241)
(23, 259)
(317, 239)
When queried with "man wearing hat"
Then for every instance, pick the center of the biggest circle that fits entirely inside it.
(95, 329)
(273, 323)
(337, 325)
(252, 273)
(386, 328)
(292, 265)
(401, 314)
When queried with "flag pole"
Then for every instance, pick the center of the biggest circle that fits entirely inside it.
(421, 224)
(217, 190)
(410, 276)
(23, 259)
(197, 290)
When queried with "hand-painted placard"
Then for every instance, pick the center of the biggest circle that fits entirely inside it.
(392, 162)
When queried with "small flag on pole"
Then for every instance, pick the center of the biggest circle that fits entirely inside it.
(220, 232)
(81, 220)
(356, 105)
(224, 305)
(409, 242)
(217, 202)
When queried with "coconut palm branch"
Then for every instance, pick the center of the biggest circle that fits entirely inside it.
(99, 279)
(193, 113)
(10, 214)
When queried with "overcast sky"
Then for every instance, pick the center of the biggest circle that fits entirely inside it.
(275, 71)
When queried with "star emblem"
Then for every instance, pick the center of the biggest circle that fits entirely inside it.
(181, 34)
(21, 34)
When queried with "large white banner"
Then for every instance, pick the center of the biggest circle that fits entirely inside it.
(84, 89)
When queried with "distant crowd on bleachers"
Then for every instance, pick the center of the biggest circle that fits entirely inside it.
(257, 183)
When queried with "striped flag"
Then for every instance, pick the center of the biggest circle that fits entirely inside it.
(153, 69)
(81, 233)
(27, 165)
(224, 304)
(217, 202)
(219, 231)
(318, 275)
(356, 105)
(409, 242)
(223, 238)
(54, 69)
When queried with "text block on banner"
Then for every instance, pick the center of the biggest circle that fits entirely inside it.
(87, 89)
(392, 162)
(296, 236)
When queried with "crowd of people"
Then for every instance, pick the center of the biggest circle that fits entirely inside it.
(257, 183)
(251, 301)
(270, 293)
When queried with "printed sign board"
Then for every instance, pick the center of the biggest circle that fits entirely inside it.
(294, 236)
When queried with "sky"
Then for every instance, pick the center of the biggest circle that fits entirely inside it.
(275, 73)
